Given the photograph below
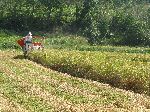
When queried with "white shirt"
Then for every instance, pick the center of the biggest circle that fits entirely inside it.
(28, 38)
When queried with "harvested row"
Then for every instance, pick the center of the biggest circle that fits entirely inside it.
(35, 88)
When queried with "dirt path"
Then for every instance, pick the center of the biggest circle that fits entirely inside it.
(27, 86)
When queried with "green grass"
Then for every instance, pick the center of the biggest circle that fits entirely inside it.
(123, 70)
(65, 41)
(73, 42)
(8, 40)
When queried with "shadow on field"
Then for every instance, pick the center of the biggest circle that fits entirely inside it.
(19, 57)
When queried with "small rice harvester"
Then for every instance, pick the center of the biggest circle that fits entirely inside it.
(35, 45)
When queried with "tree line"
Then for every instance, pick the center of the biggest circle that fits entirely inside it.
(117, 22)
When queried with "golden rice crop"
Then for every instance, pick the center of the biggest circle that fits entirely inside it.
(123, 70)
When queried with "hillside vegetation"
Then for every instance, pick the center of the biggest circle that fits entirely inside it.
(8, 40)
(107, 22)
(28, 87)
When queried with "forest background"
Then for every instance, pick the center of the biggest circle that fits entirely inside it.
(107, 22)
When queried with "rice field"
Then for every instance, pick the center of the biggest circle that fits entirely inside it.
(122, 70)
(26, 86)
